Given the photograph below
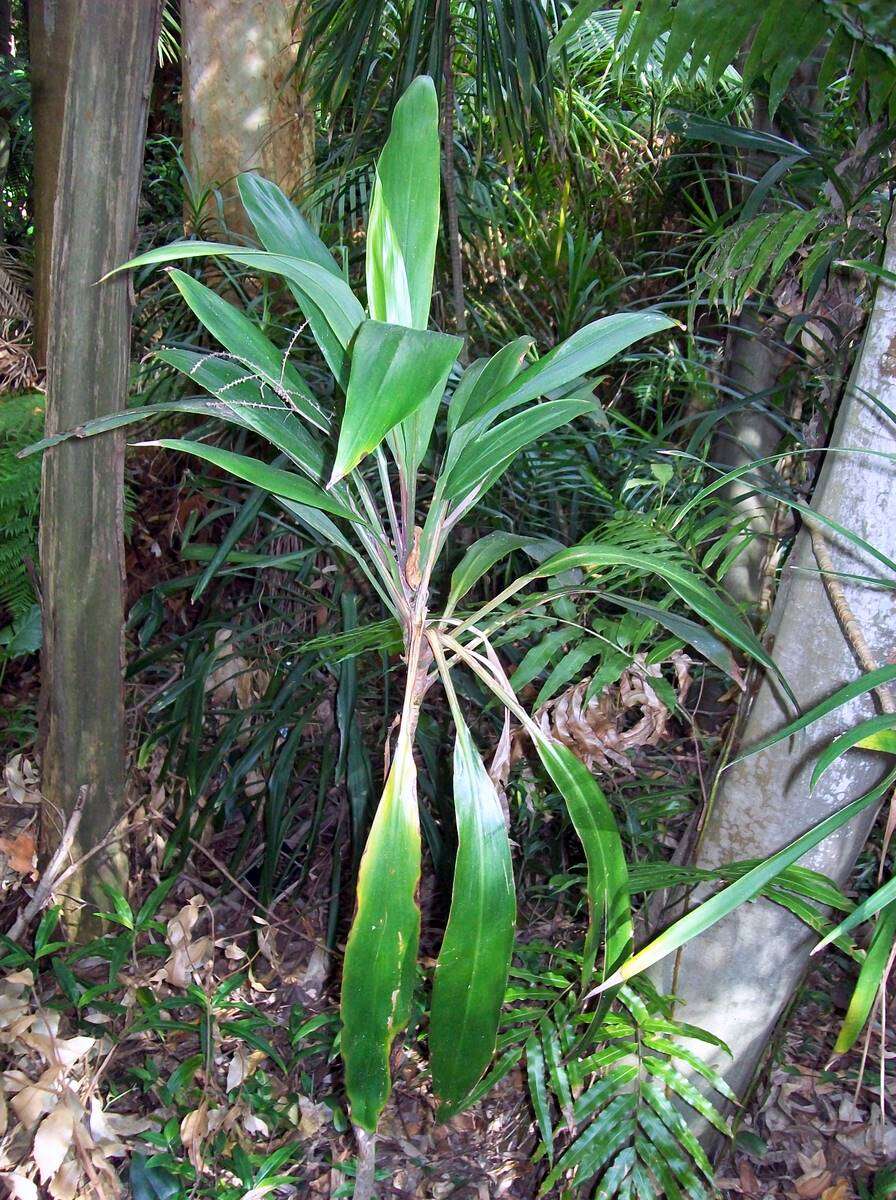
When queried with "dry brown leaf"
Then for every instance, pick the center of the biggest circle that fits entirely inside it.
(21, 852)
(187, 955)
(810, 1187)
(52, 1140)
(193, 1129)
(841, 1190)
(601, 729)
(313, 1117)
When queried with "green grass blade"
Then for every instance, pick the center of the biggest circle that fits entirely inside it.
(862, 912)
(858, 687)
(743, 889)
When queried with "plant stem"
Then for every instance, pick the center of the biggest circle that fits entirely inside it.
(365, 1177)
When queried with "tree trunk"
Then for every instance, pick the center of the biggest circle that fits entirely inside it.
(737, 978)
(50, 29)
(241, 108)
(103, 52)
(754, 366)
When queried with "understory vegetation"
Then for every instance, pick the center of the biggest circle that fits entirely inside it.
(462, 486)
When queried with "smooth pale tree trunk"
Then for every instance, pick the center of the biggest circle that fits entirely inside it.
(241, 108)
(104, 51)
(754, 366)
(737, 978)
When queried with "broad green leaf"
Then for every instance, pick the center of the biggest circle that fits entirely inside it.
(280, 226)
(245, 341)
(582, 353)
(282, 229)
(195, 405)
(848, 740)
(746, 888)
(471, 972)
(485, 458)
(245, 401)
(483, 379)
(270, 479)
(884, 741)
(695, 593)
(862, 912)
(394, 371)
(870, 978)
(404, 218)
(537, 657)
(483, 555)
(607, 885)
(381, 953)
(865, 683)
(570, 666)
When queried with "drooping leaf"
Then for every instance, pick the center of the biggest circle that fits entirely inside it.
(607, 884)
(404, 217)
(848, 740)
(488, 550)
(332, 295)
(695, 593)
(381, 952)
(394, 371)
(244, 400)
(471, 972)
(271, 479)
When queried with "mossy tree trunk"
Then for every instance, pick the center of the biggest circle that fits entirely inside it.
(737, 979)
(242, 109)
(103, 53)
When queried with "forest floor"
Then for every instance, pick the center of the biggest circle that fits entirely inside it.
(209, 1044)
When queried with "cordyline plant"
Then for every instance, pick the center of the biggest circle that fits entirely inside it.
(351, 478)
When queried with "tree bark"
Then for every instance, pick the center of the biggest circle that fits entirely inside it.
(50, 29)
(103, 53)
(241, 108)
(736, 979)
